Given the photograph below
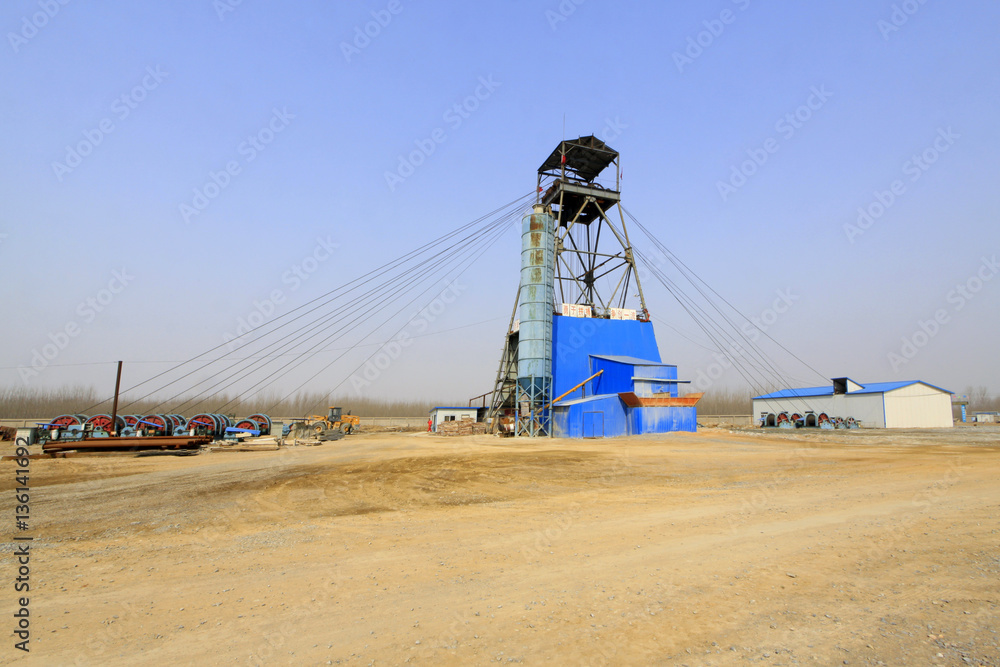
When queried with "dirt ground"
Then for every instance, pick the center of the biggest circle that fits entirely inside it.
(716, 548)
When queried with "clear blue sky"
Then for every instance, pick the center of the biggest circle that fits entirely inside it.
(198, 80)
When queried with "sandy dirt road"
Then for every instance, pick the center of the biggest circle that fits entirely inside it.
(715, 548)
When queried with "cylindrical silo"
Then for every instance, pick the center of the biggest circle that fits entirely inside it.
(534, 348)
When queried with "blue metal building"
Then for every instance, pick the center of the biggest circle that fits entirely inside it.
(634, 393)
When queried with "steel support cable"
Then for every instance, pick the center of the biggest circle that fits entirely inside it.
(282, 347)
(386, 269)
(374, 272)
(674, 257)
(340, 349)
(741, 343)
(445, 258)
(289, 339)
(777, 374)
(308, 354)
(692, 307)
(759, 381)
(343, 290)
(500, 232)
(682, 334)
(289, 343)
(777, 377)
(251, 365)
(758, 363)
(496, 238)
(756, 381)
(667, 284)
(705, 322)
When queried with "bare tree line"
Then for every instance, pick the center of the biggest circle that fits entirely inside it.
(981, 401)
(26, 403)
(726, 402)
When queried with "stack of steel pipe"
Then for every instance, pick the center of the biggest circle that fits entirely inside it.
(133, 443)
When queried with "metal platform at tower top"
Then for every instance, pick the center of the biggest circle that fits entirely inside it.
(589, 272)
(580, 159)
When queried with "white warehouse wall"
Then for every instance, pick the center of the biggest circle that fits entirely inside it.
(918, 406)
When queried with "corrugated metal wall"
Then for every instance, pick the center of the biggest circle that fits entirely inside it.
(601, 416)
(662, 420)
(606, 416)
(575, 339)
(918, 406)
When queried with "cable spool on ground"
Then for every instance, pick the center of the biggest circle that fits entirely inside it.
(103, 423)
(155, 425)
(65, 421)
(178, 424)
(248, 425)
(205, 424)
(263, 423)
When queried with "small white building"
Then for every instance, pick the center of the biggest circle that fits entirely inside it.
(446, 414)
(910, 404)
(986, 417)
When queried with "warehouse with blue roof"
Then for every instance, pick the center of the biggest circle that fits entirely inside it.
(906, 404)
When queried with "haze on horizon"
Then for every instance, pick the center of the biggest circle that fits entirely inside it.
(172, 171)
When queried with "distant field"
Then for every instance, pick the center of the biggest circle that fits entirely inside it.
(22, 403)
